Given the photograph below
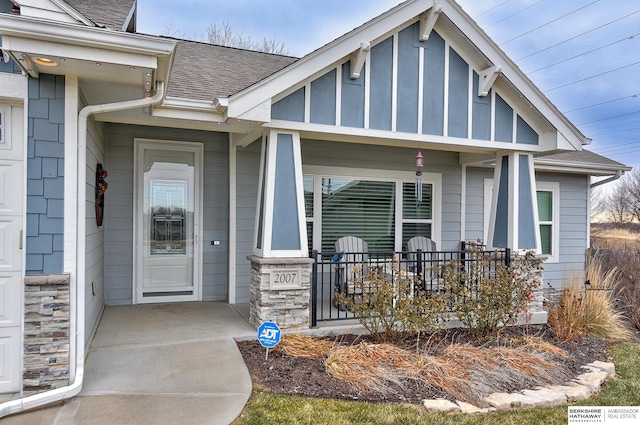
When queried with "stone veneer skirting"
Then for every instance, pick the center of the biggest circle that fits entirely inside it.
(46, 333)
(288, 307)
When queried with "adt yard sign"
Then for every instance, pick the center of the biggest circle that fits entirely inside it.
(269, 334)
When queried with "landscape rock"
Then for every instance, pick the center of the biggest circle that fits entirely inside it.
(547, 397)
(505, 401)
(610, 368)
(573, 391)
(592, 380)
(441, 405)
(471, 409)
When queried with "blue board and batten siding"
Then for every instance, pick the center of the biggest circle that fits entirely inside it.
(445, 75)
(119, 209)
(574, 220)
(45, 175)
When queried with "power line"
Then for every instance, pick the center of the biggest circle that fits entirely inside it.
(614, 132)
(514, 14)
(610, 118)
(621, 151)
(593, 76)
(615, 147)
(579, 35)
(585, 53)
(547, 23)
(615, 125)
(489, 10)
(603, 103)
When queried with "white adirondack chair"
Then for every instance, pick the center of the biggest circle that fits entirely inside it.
(429, 255)
(351, 259)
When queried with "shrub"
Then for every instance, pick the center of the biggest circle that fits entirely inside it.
(486, 294)
(387, 301)
(567, 316)
(589, 308)
(627, 285)
(602, 319)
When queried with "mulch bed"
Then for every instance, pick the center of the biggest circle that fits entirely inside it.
(285, 374)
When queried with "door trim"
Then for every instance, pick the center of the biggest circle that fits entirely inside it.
(140, 144)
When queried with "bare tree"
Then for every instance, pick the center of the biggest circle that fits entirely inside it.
(631, 185)
(171, 31)
(618, 203)
(599, 204)
(225, 36)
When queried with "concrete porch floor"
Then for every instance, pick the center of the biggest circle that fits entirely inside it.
(159, 364)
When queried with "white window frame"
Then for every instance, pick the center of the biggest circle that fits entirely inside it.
(554, 188)
(398, 177)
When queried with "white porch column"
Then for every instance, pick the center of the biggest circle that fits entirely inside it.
(281, 229)
(514, 214)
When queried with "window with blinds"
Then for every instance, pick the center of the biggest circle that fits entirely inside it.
(361, 208)
(545, 216)
(365, 209)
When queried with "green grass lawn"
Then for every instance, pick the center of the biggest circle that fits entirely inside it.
(267, 408)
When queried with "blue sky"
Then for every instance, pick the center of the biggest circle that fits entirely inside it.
(583, 54)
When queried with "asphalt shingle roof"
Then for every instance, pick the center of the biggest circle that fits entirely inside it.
(582, 157)
(204, 71)
(109, 13)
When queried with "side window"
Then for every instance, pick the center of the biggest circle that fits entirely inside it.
(545, 215)
(548, 197)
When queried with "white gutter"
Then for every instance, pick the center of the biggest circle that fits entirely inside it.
(73, 34)
(64, 393)
(609, 180)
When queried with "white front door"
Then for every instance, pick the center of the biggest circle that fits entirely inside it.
(11, 219)
(168, 218)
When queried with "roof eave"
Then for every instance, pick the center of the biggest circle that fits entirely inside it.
(59, 32)
(19, 32)
(580, 167)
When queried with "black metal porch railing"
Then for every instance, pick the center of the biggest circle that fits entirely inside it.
(334, 273)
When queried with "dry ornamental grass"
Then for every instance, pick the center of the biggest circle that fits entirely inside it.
(462, 371)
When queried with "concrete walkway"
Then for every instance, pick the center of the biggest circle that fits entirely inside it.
(159, 364)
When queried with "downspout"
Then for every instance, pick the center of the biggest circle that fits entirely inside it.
(64, 393)
(609, 180)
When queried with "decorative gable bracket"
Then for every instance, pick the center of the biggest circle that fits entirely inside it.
(358, 58)
(487, 78)
(428, 21)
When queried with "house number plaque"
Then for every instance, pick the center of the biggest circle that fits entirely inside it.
(285, 278)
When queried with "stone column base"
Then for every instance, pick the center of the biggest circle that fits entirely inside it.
(46, 333)
(280, 291)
